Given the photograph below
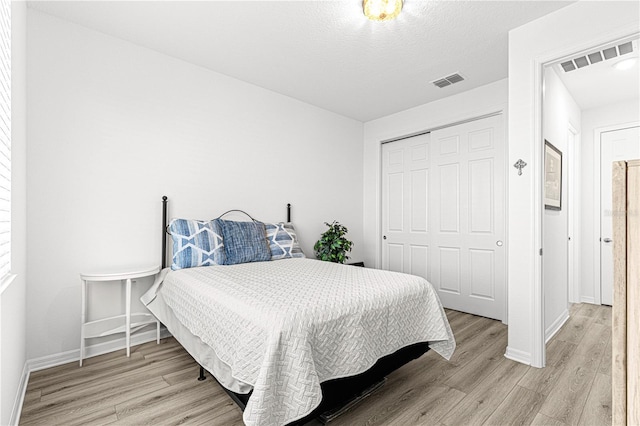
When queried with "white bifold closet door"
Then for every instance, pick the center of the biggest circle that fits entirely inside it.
(443, 218)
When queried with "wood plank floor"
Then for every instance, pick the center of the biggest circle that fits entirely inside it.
(478, 386)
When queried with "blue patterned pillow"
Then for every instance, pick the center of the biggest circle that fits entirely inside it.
(196, 243)
(244, 242)
(283, 241)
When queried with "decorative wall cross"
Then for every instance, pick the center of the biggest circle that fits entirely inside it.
(520, 165)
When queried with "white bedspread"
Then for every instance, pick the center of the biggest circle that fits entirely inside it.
(285, 326)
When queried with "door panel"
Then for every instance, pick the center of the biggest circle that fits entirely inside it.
(443, 212)
(617, 145)
(481, 139)
(449, 270)
(419, 259)
(481, 195)
(405, 216)
(396, 205)
(395, 259)
(449, 200)
(419, 193)
(481, 273)
(472, 218)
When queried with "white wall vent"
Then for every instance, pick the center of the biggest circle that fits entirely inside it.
(599, 56)
(448, 80)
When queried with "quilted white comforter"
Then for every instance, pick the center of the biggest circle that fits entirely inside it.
(285, 326)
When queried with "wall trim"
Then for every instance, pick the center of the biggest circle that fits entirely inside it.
(556, 326)
(20, 393)
(575, 191)
(537, 345)
(54, 360)
(518, 355)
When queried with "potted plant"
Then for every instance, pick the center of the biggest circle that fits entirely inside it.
(332, 245)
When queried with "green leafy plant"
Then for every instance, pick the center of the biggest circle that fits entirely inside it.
(332, 245)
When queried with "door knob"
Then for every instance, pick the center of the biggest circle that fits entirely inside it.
(607, 240)
(499, 243)
(384, 237)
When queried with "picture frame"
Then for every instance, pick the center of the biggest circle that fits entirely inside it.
(552, 177)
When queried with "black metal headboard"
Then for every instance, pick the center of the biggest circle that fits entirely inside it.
(165, 232)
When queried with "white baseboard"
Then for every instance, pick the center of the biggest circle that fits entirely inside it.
(518, 356)
(93, 350)
(556, 326)
(588, 299)
(71, 356)
(22, 390)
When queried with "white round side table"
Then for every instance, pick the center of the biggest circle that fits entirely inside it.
(96, 328)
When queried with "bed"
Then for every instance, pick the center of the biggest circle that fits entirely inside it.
(295, 336)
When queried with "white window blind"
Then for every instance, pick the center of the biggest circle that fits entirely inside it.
(5, 139)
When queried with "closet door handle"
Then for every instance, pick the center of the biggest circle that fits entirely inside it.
(607, 240)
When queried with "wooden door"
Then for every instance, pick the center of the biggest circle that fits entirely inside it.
(626, 317)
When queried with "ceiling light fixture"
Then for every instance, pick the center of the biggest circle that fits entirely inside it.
(625, 64)
(381, 10)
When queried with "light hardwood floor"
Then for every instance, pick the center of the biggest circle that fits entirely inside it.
(158, 385)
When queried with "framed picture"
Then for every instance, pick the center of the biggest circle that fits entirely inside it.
(552, 177)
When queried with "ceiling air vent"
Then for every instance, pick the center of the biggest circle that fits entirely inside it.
(599, 56)
(448, 80)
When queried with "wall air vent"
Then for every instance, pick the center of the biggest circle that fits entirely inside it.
(448, 80)
(598, 56)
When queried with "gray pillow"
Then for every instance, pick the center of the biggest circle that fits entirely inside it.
(244, 241)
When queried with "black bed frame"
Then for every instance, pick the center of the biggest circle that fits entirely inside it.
(337, 394)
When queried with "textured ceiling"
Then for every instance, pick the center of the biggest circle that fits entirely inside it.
(325, 53)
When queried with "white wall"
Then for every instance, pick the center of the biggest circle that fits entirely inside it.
(560, 110)
(592, 119)
(473, 103)
(576, 27)
(13, 298)
(114, 126)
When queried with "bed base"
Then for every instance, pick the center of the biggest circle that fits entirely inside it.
(338, 395)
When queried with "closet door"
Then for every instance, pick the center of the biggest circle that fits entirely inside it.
(467, 228)
(405, 183)
(443, 213)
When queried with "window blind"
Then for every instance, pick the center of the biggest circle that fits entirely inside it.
(5, 139)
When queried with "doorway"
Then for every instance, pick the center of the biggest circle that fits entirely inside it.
(561, 113)
(616, 144)
(578, 95)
